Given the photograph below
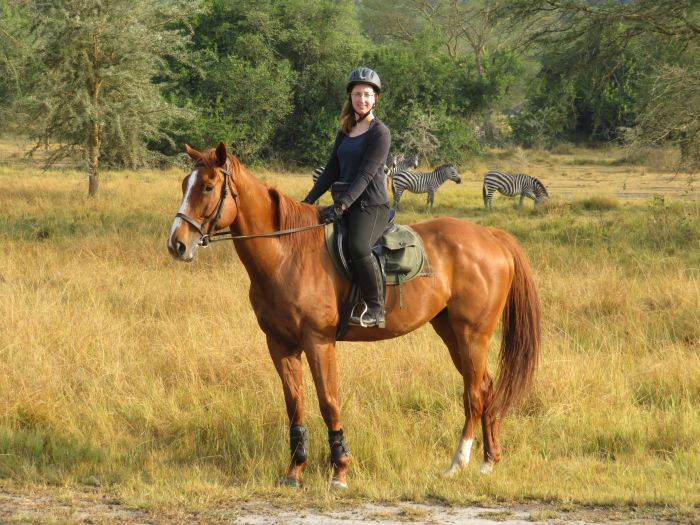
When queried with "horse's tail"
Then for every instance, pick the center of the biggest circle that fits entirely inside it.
(520, 338)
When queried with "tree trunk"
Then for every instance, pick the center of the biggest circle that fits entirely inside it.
(93, 155)
(93, 131)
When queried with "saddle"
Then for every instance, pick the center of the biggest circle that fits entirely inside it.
(400, 254)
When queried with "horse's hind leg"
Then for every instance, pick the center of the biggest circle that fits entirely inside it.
(489, 427)
(468, 351)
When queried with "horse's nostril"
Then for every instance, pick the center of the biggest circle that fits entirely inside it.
(181, 248)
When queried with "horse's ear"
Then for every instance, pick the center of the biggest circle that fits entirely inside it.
(221, 154)
(193, 153)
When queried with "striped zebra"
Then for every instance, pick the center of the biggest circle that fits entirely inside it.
(317, 172)
(417, 182)
(512, 184)
(402, 162)
(398, 163)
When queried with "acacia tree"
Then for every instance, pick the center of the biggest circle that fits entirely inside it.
(98, 94)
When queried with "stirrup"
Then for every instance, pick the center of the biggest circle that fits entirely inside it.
(358, 321)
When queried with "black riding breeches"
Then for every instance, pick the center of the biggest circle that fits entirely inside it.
(366, 224)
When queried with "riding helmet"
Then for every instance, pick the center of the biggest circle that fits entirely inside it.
(363, 75)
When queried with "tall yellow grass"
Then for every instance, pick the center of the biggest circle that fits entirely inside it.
(122, 369)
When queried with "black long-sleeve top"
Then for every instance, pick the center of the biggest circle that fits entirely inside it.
(360, 161)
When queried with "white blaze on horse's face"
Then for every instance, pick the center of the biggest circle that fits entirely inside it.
(182, 243)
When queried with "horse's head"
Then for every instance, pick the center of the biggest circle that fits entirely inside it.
(208, 202)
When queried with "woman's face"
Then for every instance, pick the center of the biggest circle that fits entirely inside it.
(363, 98)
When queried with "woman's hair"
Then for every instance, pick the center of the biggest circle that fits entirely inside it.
(347, 117)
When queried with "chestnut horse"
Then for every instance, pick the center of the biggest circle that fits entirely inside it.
(480, 275)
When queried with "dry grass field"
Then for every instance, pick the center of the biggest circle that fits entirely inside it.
(148, 381)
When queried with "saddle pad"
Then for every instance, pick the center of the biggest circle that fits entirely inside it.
(402, 248)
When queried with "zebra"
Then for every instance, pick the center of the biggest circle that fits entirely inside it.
(398, 163)
(388, 170)
(417, 182)
(317, 173)
(512, 184)
(402, 162)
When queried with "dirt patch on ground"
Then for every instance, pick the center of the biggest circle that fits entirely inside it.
(58, 506)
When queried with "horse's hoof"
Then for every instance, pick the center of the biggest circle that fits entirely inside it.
(486, 468)
(338, 485)
(290, 482)
(451, 471)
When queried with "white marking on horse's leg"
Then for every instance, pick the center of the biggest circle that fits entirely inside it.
(486, 467)
(191, 179)
(461, 457)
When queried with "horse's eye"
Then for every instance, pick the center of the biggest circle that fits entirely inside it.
(208, 188)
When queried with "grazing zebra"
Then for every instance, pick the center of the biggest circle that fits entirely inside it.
(512, 184)
(417, 182)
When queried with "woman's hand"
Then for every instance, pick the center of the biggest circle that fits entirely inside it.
(330, 214)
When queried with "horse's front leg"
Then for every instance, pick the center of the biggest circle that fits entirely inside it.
(321, 358)
(287, 361)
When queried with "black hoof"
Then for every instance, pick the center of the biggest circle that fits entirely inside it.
(288, 482)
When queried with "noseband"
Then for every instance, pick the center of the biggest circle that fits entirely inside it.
(216, 214)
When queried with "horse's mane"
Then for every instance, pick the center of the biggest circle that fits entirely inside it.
(293, 214)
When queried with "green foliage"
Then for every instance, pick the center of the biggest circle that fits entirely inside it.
(17, 70)
(98, 90)
(587, 88)
(136, 80)
(241, 104)
(428, 94)
(632, 66)
(545, 123)
(269, 76)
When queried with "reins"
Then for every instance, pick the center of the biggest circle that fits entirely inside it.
(256, 235)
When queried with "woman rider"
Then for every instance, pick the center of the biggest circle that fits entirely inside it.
(358, 157)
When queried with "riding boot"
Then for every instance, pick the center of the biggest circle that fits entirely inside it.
(369, 277)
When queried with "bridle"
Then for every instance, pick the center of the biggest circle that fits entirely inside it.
(207, 236)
